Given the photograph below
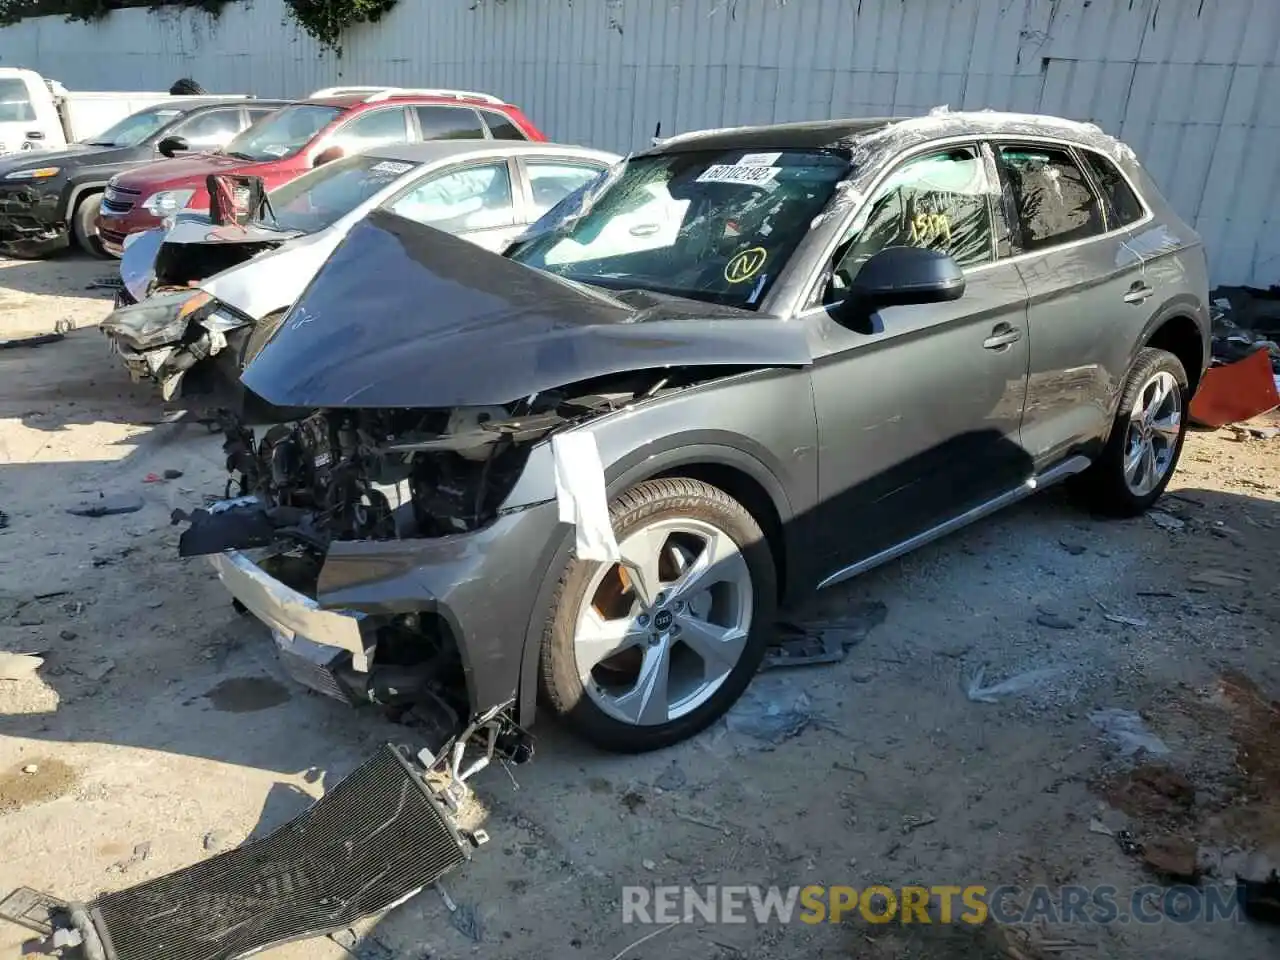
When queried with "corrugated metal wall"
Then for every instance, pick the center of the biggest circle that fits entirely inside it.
(1193, 85)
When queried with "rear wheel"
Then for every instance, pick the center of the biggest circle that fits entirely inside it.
(1146, 438)
(84, 225)
(643, 654)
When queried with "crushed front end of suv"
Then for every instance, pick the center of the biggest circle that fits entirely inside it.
(743, 365)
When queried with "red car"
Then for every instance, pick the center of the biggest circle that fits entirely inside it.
(296, 138)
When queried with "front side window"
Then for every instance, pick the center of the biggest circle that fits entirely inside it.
(450, 123)
(476, 197)
(283, 133)
(713, 225)
(15, 102)
(373, 129)
(318, 198)
(938, 202)
(552, 180)
(211, 129)
(135, 128)
(1122, 205)
(1052, 196)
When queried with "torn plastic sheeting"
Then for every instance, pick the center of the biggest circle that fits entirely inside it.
(1147, 244)
(771, 712)
(1126, 730)
(581, 496)
(1017, 684)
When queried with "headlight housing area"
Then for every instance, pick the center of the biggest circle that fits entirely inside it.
(35, 173)
(165, 202)
(158, 320)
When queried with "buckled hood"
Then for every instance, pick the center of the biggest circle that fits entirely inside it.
(402, 315)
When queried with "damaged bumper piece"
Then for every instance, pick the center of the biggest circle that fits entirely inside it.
(383, 834)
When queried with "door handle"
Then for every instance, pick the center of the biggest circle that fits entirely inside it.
(1138, 293)
(1001, 337)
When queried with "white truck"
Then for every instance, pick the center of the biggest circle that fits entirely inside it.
(41, 114)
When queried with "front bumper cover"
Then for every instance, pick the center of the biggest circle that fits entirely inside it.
(483, 586)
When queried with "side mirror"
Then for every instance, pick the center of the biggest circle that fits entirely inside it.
(901, 276)
(328, 155)
(173, 145)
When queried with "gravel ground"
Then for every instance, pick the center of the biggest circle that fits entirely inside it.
(159, 728)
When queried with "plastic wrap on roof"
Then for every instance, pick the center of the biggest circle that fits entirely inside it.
(872, 151)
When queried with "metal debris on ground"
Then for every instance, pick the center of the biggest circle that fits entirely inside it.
(1165, 521)
(1126, 731)
(362, 948)
(823, 641)
(1097, 826)
(1219, 578)
(467, 922)
(1128, 844)
(39, 340)
(106, 506)
(1017, 684)
(108, 282)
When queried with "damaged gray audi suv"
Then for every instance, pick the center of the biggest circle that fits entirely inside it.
(742, 365)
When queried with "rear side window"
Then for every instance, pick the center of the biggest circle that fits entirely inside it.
(450, 123)
(551, 181)
(502, 127)
(1053, 199)
(15, 102)
(1118, 199)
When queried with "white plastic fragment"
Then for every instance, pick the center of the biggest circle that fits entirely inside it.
(1127, 732)
(1019, 683)
(581, 496)
(18, 666)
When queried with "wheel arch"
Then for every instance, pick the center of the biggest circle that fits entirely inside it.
(1175, 329)
(79, 193)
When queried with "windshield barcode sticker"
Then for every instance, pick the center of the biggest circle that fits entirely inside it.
(751, 176)
(758, 159)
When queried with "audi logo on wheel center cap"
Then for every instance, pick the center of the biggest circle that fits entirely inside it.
(662, 621)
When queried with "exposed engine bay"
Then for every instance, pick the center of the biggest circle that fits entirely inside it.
(378, 474)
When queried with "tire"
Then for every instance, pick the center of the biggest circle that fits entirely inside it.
(84, 226)
(1106, 485)
(650, 508)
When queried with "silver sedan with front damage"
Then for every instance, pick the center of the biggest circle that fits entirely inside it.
(193, 291)
(747, 364)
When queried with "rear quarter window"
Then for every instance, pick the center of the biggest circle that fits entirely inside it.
(502, 127)
(1121, 204)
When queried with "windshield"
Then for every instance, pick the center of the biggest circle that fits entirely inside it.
(317, 199)
(708, 225)
(15, 104)
(135, 128)
(283, 133)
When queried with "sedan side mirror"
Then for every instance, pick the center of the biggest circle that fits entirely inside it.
(327, 155)
(173, 145)
(900, 276)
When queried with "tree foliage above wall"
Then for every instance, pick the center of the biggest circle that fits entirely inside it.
(323, 19)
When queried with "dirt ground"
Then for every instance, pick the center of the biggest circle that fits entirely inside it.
(159, 728)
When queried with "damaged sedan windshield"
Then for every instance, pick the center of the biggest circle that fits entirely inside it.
(708, 225)
(318, 199)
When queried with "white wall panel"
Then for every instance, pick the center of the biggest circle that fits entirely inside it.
(1193, 85)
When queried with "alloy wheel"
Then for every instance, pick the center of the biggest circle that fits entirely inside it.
(1155, 423)
(659, 632)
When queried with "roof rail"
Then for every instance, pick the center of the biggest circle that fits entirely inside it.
(342, 91)
(388, 92)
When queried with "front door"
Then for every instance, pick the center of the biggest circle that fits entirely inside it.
(919, 407)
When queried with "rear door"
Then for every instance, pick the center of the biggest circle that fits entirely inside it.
(919, 406)
(1084, 281)
(476, 201)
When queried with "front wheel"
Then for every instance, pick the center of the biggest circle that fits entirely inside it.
(1146, 438)
(642, 654)
(84, 225)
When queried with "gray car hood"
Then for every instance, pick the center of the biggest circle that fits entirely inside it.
(402, 315)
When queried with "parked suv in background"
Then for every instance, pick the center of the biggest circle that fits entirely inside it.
(49, 197)
(301, 136)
